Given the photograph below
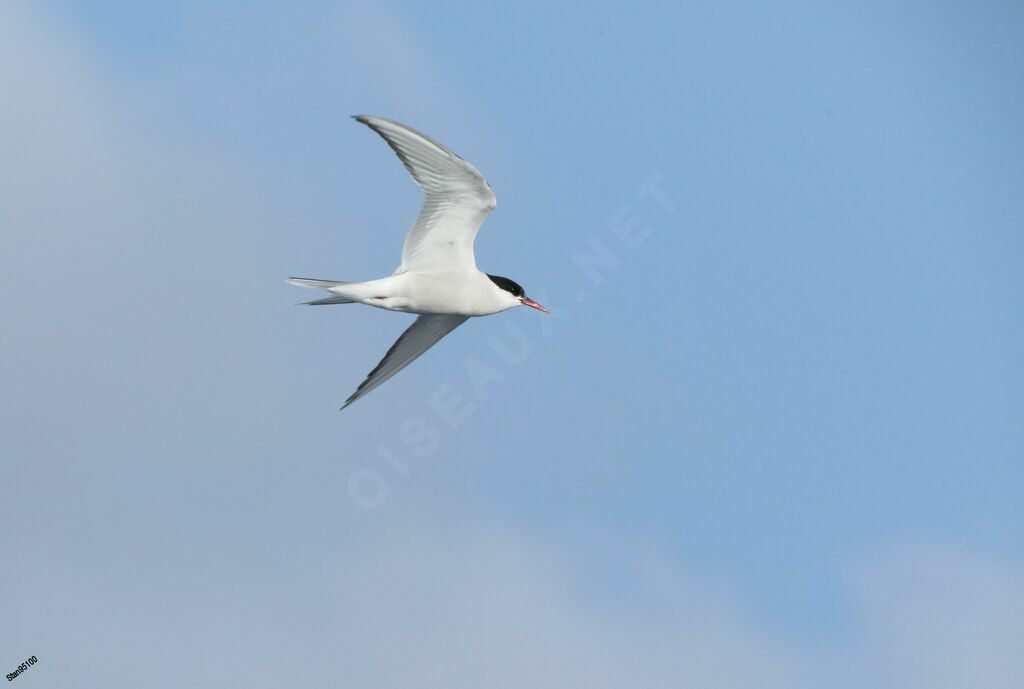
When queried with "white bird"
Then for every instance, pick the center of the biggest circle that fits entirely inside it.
(438, 278)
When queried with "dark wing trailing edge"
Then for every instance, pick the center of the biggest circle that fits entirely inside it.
(423, 334)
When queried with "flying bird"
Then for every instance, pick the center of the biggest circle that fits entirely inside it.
(437, 278)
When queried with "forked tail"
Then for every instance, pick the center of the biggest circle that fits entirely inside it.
(324, 285)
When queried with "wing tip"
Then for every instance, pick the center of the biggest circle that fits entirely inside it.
(368, 120)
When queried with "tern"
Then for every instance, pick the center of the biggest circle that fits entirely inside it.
(437, 278)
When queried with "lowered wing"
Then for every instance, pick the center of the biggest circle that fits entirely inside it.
(423, 334)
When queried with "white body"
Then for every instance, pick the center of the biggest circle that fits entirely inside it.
(460, 293)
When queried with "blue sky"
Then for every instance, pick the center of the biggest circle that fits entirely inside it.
(774, 440)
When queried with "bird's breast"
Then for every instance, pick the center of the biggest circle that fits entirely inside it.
(463, 294)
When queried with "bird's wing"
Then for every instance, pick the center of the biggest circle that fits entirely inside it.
(423, 334)
(458, 200)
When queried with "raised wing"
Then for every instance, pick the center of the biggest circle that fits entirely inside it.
(418, 338)
(458, 200)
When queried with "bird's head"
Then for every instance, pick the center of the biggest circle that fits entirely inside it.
(514, 294)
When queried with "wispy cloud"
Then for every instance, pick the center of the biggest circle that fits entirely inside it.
(940, 616)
